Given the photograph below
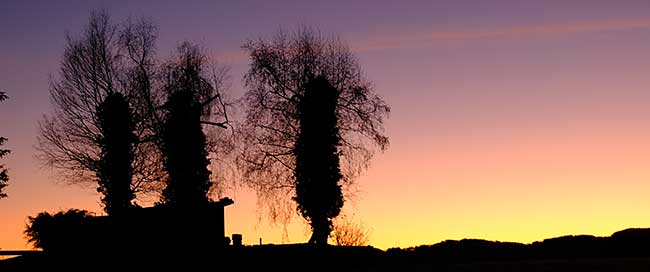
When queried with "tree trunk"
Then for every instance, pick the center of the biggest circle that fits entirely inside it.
(321, 229)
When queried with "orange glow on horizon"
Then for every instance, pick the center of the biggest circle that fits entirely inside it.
(507, 123)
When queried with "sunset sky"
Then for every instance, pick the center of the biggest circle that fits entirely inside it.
(511, 120)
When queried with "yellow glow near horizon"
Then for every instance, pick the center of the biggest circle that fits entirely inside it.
(508, 126)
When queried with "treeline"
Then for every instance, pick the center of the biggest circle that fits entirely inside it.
(625, 243)
(134, 126)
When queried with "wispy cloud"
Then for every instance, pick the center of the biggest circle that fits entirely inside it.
(432, 38)
(426, 39)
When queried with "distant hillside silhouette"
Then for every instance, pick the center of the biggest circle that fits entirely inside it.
(626, 243)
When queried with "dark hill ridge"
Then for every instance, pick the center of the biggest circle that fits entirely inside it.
(634, 242)
(627, 250)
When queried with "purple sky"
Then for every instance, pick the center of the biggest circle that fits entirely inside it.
(554, 91)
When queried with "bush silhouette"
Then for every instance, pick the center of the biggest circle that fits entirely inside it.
(59, 231)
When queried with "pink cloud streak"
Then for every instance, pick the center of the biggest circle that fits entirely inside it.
(426, 39)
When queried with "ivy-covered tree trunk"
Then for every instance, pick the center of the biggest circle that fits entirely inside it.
(317, 172)
(115, 170)
(190, 92)
(184, 149)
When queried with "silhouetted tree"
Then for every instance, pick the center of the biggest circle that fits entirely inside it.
(54, 232)
(105, 60)
(190, 94)
(4, 176)
(317, 172)
(276, 82)
(115, 170)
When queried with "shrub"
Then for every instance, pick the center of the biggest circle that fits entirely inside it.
(58, 231)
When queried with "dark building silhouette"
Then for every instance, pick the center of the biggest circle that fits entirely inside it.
(153, 231)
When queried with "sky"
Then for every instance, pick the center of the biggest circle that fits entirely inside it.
(510, 121)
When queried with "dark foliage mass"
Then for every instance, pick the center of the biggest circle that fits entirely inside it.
(4, 175)
(138, 231)
(184, 152)
(115, 165)
(54, 232)
(317, 173)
